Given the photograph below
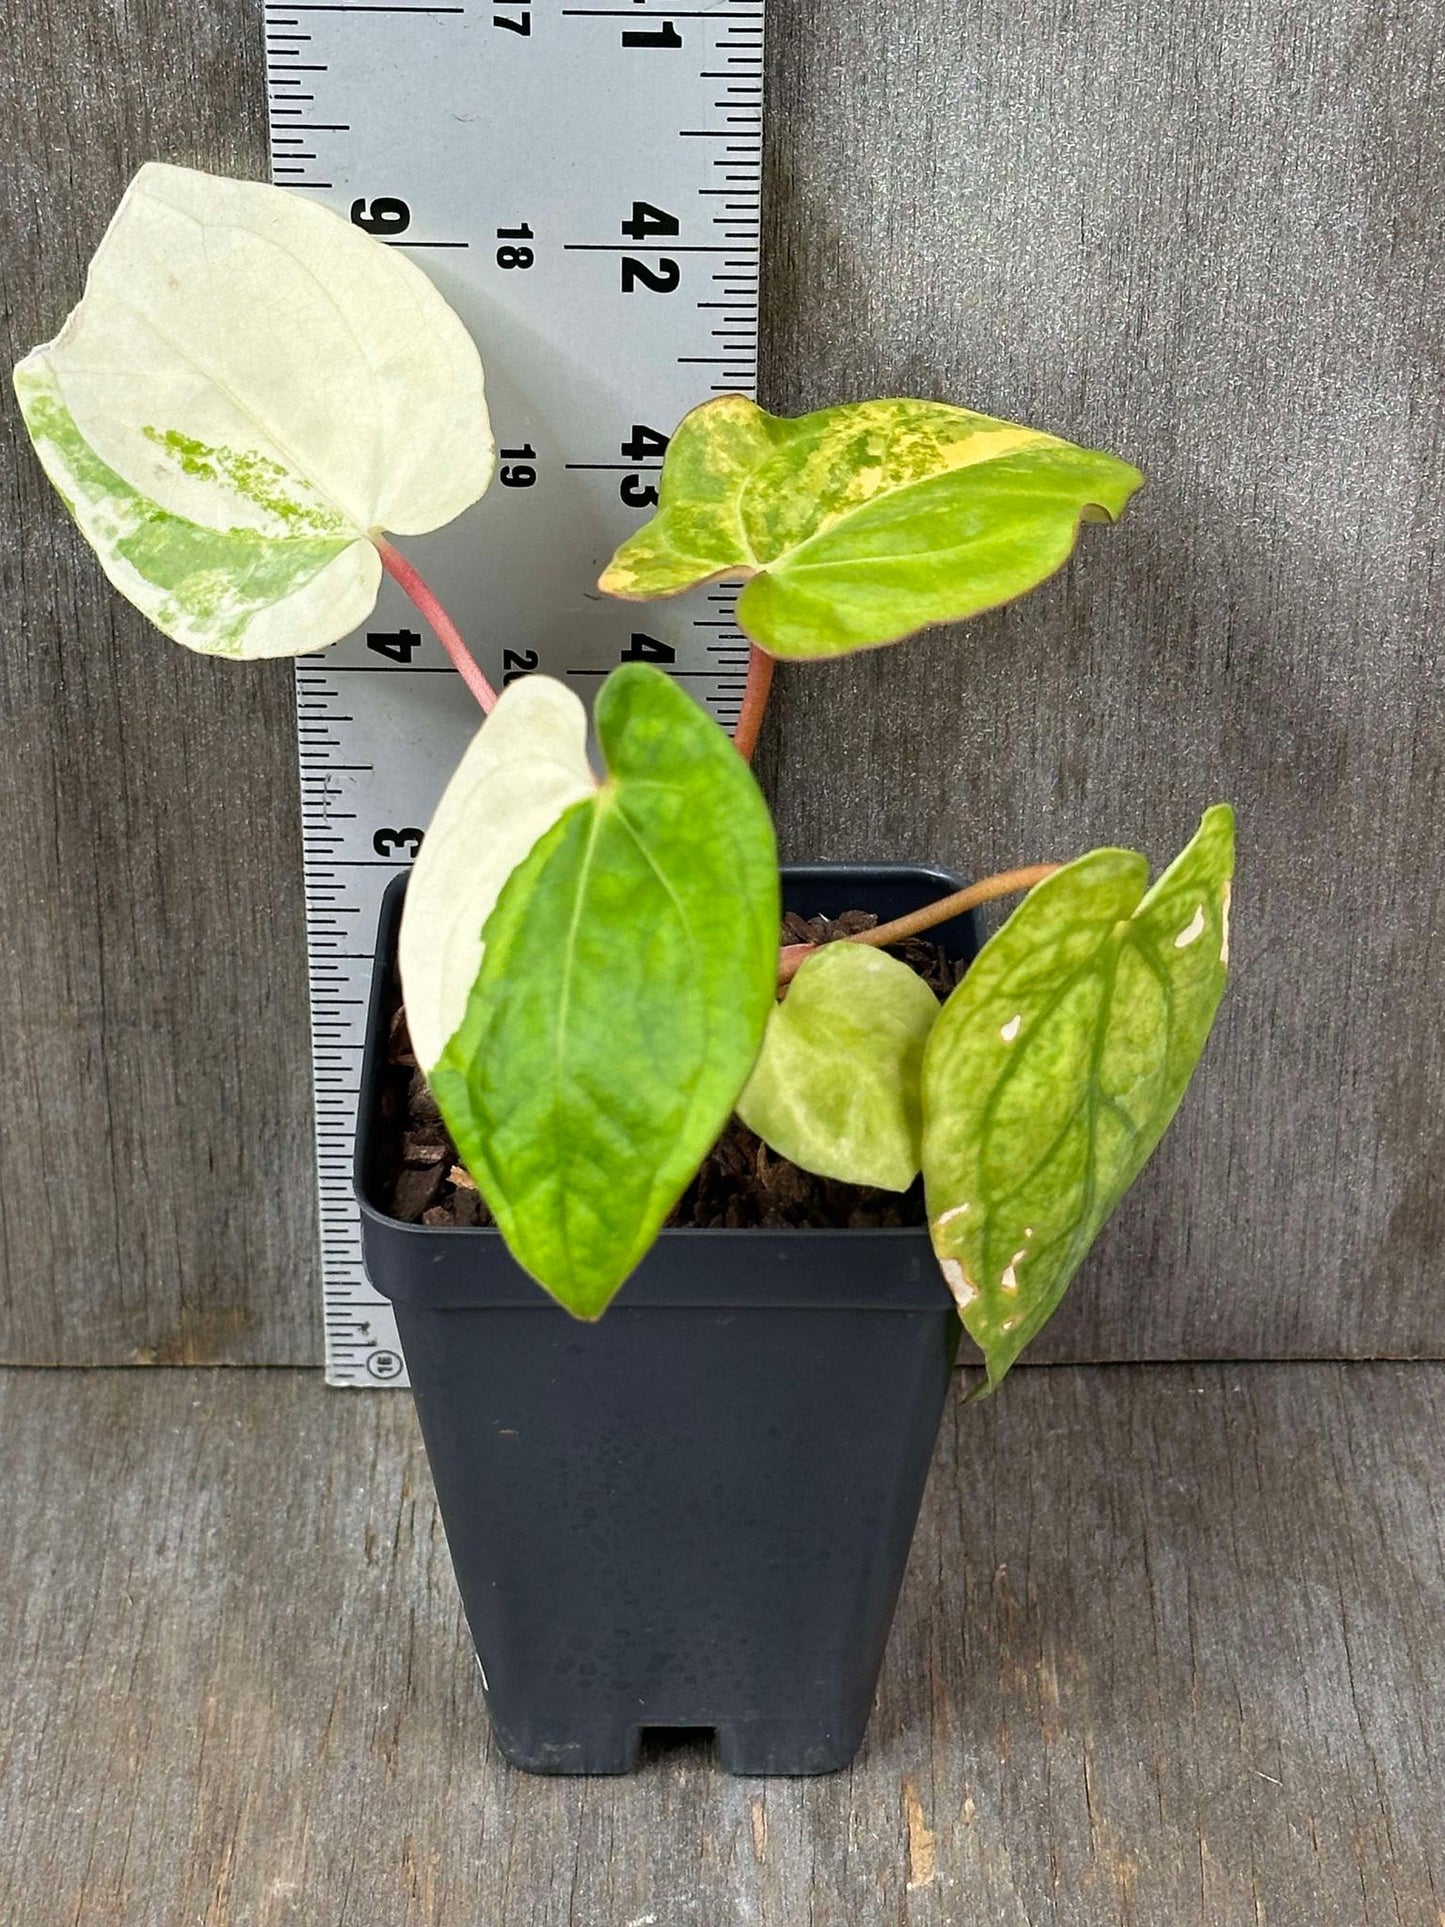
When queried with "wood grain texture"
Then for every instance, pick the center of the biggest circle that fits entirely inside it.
(1203, 236)
(1208, 238)
(154, 1058)
(1171, 1649)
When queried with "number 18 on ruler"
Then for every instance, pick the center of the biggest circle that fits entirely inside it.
(583, 183)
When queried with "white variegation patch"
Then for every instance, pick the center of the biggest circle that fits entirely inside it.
(525, 766)
(965, 1291)
(1192, 931)
(248, 387)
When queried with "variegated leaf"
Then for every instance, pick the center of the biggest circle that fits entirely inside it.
(249, 386)
(626, 976)
(861, 524)
(1056, 1066)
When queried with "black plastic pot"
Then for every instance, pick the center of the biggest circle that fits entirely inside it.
(697, 1512)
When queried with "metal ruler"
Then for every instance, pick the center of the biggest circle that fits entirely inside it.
(583, 182)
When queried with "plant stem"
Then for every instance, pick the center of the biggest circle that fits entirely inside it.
(755, 701)
(1007, 883)
(443, 628)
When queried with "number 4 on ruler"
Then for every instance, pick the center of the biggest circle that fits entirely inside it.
(666, 35)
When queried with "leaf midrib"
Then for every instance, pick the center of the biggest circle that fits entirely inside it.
(688, 937)
(1091, 1101)
(564, 999)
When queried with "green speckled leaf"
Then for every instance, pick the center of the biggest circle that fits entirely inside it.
(1056, 1067)
(628, 971)
(861, 524)
(249, 386)
(836, 1086)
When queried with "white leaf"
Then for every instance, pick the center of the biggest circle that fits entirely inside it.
(525, 766)
(248, 387)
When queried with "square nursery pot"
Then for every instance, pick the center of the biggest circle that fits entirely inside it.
(695, 1513)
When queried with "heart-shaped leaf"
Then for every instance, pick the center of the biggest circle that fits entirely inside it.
(1056, 1066)
(836, 1086)
(248, 387)
(628, 971)
(861, 524)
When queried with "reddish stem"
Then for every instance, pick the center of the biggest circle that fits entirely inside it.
(755, 702)
(1007, 883)
(445, 630)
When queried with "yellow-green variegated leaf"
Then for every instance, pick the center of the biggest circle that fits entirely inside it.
(1056, 1066)
(248, 387)
(524, 767)
(861, 524)
(836, 1085)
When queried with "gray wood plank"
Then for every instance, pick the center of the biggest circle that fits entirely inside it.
(1202, 235)
(1208, 237)
(1171, 1649)
(154, 1067)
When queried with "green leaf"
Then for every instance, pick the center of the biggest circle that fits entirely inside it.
(628, 971)
(1056, 1066)
(861, 524)
(249, 386)
(836, 1087)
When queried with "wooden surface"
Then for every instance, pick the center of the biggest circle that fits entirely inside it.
(1171, 1651)
(1208, 237)
(154, 1056)
(1201, 235)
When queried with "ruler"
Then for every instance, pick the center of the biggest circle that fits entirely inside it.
(583, 182)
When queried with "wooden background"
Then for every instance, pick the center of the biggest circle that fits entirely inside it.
(1199, 235)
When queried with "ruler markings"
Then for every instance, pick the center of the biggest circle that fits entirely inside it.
(652, 13)
(638, 247)
(563, 126)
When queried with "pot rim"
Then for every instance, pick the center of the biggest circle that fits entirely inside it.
(910, 1243)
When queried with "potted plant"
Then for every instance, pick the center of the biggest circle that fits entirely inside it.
(626, 1072)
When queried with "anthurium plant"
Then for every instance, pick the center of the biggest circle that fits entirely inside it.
(253, 396)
